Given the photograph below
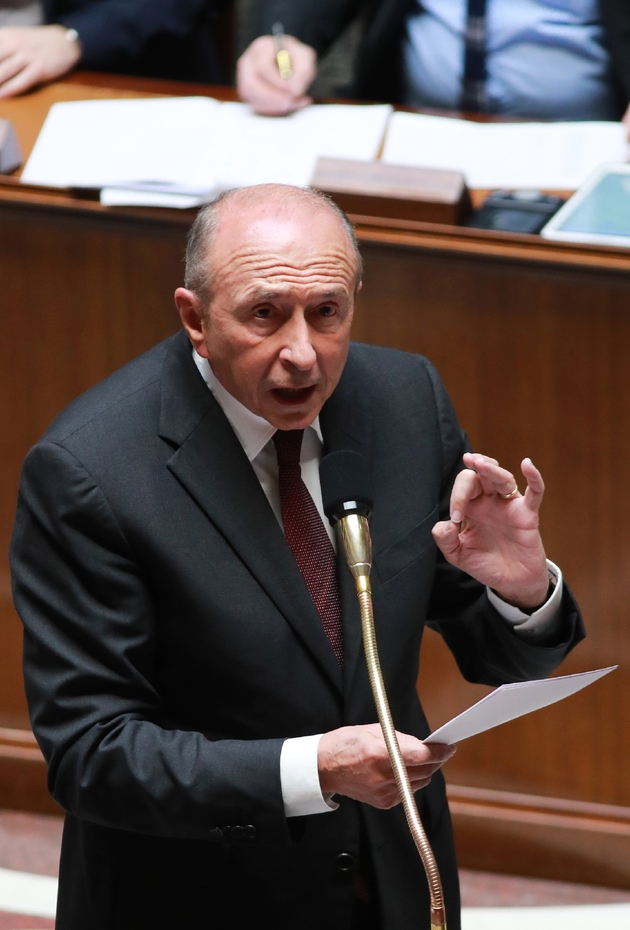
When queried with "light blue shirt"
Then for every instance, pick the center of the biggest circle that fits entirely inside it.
(545, 60)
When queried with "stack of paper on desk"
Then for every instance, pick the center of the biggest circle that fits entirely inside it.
(547, 156)
(180, 151)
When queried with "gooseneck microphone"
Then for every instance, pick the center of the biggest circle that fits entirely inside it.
(347, 499)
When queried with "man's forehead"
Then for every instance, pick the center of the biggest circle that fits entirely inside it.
(279, 223)
(269, 243)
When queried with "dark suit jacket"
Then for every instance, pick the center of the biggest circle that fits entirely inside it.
(171, 645)
(378, 77)
(154, 38)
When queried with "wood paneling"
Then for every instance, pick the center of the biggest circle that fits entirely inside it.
(543, 837)
(534, 355)
(531, 339)
(535, 360)
(81, 296)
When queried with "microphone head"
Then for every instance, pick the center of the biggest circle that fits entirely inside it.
(346, 485)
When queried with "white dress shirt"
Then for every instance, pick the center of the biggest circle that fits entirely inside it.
(299, 777)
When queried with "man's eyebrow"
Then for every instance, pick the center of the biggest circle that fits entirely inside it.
(334, 292)
(264, 294)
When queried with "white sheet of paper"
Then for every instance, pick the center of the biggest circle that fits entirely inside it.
(261, 149)
(195, 142)
(511, 701)
(97, 143)
(130, 197)
(548, 156)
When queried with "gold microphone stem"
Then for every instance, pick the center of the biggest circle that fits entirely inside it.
(354, 535)
(438, 914)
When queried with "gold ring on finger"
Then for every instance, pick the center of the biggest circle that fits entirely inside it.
(508, 497)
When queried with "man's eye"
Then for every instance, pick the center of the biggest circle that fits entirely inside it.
(327, 311)
(263, 313)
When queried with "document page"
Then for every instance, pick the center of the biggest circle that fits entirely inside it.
(546, 156)
(261, 149)
(511, 701)
(182, 147)
(94, 143)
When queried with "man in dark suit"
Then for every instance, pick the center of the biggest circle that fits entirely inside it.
(155, 38)
(523, 41)
(208, 730)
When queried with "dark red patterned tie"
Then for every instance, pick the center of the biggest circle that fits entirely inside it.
(308, 538)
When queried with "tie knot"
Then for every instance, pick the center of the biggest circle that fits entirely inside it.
(288, 443)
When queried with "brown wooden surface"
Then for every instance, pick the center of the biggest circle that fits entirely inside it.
(531, 339)
(534, 354)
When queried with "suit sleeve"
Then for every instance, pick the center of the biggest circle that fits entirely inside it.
(89, 651)
(486, 649)
(121, 29)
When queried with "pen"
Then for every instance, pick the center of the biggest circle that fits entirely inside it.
(283, 58)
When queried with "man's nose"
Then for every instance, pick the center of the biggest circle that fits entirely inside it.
(298, 348)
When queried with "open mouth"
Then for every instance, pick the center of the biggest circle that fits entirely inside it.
(294, 395)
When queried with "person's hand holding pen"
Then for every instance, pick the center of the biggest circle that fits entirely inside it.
(274, 73)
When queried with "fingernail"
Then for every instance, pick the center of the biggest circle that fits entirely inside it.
(456, 516)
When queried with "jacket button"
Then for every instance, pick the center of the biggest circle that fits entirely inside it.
(236, 833)
(249, 832)
(345, 862)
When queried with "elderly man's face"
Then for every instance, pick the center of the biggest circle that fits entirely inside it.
(278, 326)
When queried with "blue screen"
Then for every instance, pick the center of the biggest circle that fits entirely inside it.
(606, 210)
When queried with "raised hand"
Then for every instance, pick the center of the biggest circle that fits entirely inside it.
(493, 531)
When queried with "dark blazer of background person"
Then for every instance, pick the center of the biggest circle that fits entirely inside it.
(156, 38)
(171, 645)
(378, 75)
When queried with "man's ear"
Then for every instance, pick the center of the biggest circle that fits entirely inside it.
(191, 313)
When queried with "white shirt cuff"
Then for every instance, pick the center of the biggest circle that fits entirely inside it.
(299, 778)
(539, 624)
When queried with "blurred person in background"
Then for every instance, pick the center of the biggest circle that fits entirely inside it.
(41, 40)
(538, 59)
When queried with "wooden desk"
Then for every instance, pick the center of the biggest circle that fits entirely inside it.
(532, 339)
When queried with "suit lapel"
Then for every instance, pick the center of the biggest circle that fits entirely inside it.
(209, 461)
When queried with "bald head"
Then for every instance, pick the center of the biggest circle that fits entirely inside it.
(249, 205)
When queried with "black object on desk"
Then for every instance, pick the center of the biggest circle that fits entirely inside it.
(515, 211)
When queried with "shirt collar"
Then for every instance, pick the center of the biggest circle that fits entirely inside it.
(253, 432)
